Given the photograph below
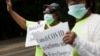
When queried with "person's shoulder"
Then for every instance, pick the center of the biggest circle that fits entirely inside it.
(95, 16)
(94, 19)
(28, 23)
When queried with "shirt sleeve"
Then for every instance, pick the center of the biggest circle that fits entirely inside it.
(88, 48)
(28, 23)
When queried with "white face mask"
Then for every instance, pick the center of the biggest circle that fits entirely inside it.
(49, 18)
(77, 11)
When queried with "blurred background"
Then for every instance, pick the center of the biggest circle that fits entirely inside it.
(31, 10)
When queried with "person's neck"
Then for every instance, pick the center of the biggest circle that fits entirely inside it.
(86, 15)
(54, 23)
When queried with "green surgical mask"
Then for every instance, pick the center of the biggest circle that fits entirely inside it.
(49, 18)
(77, 11)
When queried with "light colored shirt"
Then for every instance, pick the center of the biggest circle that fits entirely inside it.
(87, 42)
(77, 29)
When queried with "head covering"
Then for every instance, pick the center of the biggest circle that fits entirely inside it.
(53, 6)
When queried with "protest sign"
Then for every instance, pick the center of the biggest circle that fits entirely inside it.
(30, 41)
(51, 42)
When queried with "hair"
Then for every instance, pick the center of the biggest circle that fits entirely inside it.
(60, 14)
(91, 4)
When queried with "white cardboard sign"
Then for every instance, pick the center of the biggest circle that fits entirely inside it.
(30, 41)
(51, 42)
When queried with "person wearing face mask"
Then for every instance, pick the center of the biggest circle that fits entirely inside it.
(85, 35)
(51, 16)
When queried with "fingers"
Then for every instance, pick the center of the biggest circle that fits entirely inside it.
(67, 34)
(67, 42)
(46, 27)
(39, 21)
(8, 1)
(72, 34)
(66, 37)
(69, 38)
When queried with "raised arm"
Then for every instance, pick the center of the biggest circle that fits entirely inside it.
(19, 20)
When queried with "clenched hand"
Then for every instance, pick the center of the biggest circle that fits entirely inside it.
(69, 38)
(9, 5)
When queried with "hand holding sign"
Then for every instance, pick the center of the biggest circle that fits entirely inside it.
(69, 38)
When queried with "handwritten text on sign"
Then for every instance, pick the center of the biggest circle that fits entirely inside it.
(51, 42)
(30, 41)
